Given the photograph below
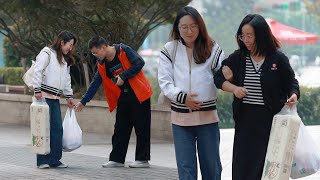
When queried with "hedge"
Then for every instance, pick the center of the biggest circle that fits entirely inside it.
(12, 75)
(308, 105)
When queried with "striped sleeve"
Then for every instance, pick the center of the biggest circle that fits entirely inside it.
(217, 59)
(181, 98)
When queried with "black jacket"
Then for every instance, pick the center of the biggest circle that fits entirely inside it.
(278, 80)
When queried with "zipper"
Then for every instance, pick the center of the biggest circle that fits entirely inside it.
(190, 60)
(59, 81)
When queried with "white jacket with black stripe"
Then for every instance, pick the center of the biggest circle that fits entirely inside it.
(50, 76)
(183, 78)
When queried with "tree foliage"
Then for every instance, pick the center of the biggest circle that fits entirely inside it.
(313, 6)
(223, 19)
(30, 25)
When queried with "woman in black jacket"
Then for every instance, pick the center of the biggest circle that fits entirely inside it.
(262, 81)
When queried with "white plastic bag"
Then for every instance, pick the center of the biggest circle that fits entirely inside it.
(72, 133)
(40, 126)
(306, 159)
(282, 143)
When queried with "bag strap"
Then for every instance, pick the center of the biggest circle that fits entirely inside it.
(174, 52)
(49, 54)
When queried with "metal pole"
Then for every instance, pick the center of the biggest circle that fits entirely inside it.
(303, 28)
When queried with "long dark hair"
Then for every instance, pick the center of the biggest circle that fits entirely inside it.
(204, 43)
(64, 36)
(265, 42)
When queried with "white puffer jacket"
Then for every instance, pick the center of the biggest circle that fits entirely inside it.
(184, 78)
(50, 76)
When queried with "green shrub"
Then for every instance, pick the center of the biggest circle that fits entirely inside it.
(309, 106)
(224, 108)
(155, 88)
(12, 75)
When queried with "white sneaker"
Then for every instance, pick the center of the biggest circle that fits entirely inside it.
(112, 164)
(62, 165)
(44, 166)
(139, 164)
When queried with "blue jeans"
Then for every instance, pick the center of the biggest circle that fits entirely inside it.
(56, 132)
(205, 139)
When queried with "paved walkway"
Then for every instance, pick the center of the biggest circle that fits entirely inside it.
(17, 161)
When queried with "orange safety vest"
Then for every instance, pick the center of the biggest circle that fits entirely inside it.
(139, 83)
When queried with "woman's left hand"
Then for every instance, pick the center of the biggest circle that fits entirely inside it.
(191, 102)
(292, 100)
(70, 103)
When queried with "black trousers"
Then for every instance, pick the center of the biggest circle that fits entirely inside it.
(252, 132)
(131, 113)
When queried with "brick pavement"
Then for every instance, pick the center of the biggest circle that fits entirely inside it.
(17, 161)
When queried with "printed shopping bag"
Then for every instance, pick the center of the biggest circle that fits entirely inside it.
(282, 143)
(40, 126)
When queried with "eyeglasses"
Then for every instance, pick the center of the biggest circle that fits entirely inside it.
(243, 37)
(95, 53)
(185, 28)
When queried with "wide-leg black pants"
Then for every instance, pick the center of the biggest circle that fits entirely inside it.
(252, 132)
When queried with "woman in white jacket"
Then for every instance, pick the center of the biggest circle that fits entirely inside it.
(52, 79)
(186, 78)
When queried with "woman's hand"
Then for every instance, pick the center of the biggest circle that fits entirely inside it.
(38, 96)
(191, 103)
(227, 73)
(240, 92)
(70, 103)
(292, 100)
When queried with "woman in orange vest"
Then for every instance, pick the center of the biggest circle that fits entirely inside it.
(125, 87)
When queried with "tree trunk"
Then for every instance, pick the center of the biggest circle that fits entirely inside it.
(86, 74)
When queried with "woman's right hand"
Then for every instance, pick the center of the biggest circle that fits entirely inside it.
(38, 96)
(191, 103)
(240, 92)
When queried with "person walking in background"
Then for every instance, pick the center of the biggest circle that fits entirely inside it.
(189, 84)
(51, 79)
(262, 81)
(127, 89)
